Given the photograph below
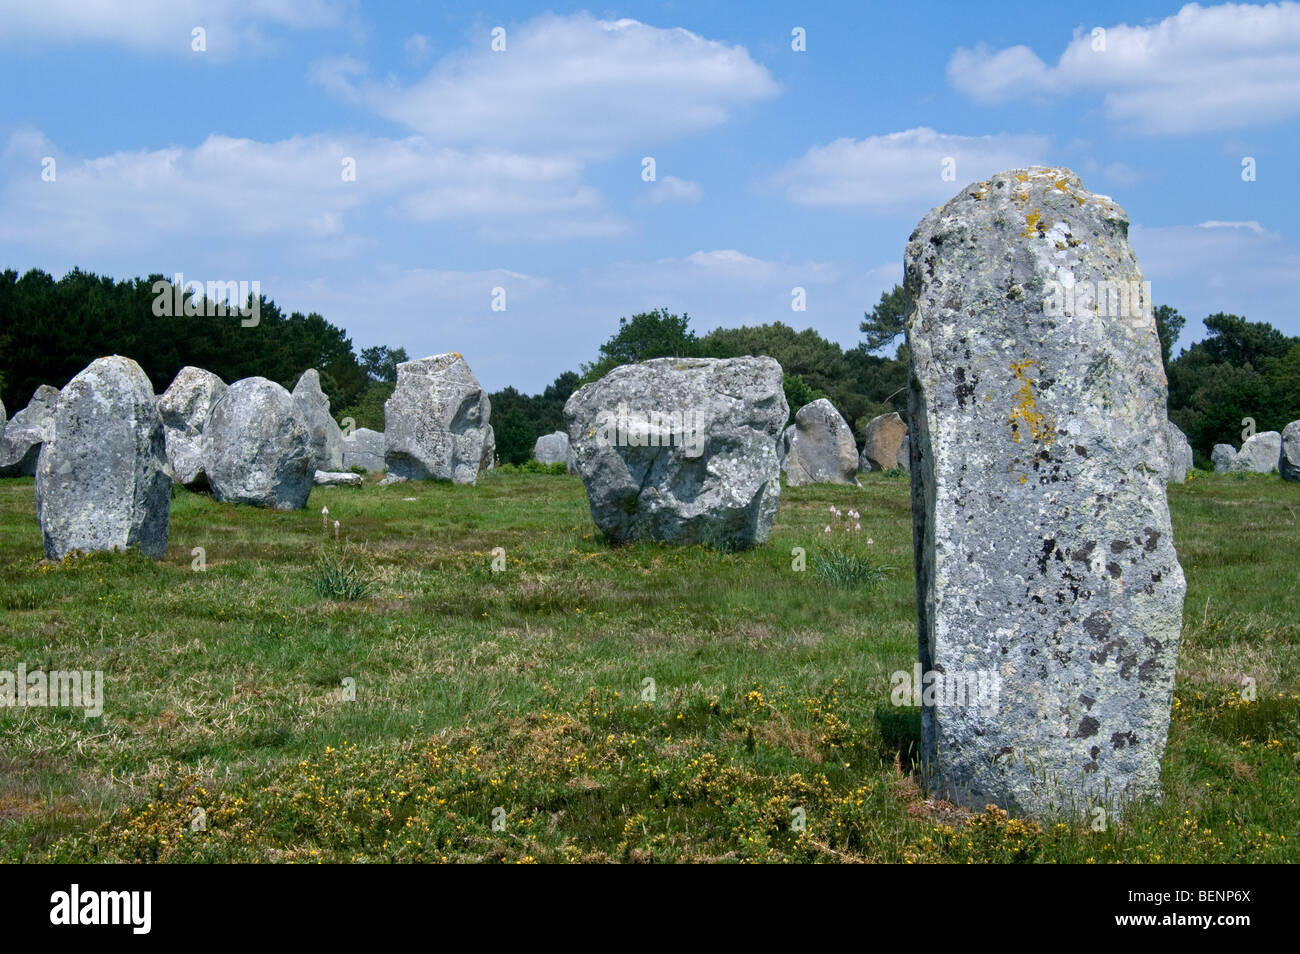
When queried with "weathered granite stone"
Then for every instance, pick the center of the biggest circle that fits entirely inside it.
(551, 448)
(256, 447)
(336, 478)
(3, 418)
(1288, 463)
(1180, 453)
(1044, 553)
(436, 422)
(326, 436)
(681, 450)
(904, 461)
(818, 448)
(1259, 454)
(1223, 457)
(488, 459)
(882, 438)
(364, 448)
(184, 408)
(101, 482)
(26, 432)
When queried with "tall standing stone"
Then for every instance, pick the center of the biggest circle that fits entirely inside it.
(818, 448)
(1180, 453)
(326, 436)
(364, 448)
(184, 408)
(1044, 553)
(551, 448)
(101, 482)
(1222, 457)
(437, 421)
(1259, 454)
(26, 432)
(882, 440)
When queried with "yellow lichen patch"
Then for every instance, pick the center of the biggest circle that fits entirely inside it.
(1035, 227)
(1024, 479)
(1062, 185)
(1025, 416)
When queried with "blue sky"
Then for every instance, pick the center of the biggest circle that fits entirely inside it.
(522, 169)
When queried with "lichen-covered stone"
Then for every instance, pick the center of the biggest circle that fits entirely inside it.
(818, 448)
(336, 478)
(1044, 551)
(1288, 463)
(26, 432)
(681, 450)
(551, 448)
(1258, 455)
(326, 436)
(184, 408)
(882, 440)
(437, 421)
(1180, 453)
(904, 460)
(101, 482)
(364, 448)
(488, 459)
(1222, 457)
(256, 447)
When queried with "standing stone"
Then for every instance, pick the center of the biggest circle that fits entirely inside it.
(1288, 463)
(1180, 453)
(552, 448)
(681, 450)
(326, 437)
(3, 417)
(904, 461)
(436, 422)
(102, 482)
(257, 447)
(26, 432)
(818, 448)
(882, 439)
(1223, 457)
(488, 460)
(1045, 562)
(184, 408)
(364, 448)
(1259, 454)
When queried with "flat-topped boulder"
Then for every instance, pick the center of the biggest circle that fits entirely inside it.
(551, 448)
(364, 448)
(336, 478)
(1045, 563)
(818, 448)
(101, 482)
(326, 437)
(184, 408)
(681, 450)
(437, 421)
(256, 447)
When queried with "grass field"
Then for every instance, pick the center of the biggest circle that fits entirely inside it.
(505, 715)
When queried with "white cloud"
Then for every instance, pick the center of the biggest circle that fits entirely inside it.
(672, 189)
(1203, 68)
(574, 84)
(236, 189)
(902, 168)
(232, 26)
(416, 47)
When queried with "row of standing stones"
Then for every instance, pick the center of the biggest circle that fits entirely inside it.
(1039, 455)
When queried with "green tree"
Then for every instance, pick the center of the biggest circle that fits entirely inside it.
(650, 334)
(887, 321)
(1169, 325)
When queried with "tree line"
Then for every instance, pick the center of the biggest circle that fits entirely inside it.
(51, 329)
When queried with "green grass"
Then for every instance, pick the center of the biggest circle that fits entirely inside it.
(508, 715)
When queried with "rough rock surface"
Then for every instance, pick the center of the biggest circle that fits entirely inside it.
(681, 450)
(552, 448)
(818, 448)
(326, 437)
(26, 431)
(364, 448)
(904, 461)
(1180, 453)
(882, 438)
(184, 408)
(1259, 454)
(488, 461)
(1288, 463)
(256, 447)
(437, 421)
(336, 478)
(1222, 457)
(102, 481)
(1044, 553)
